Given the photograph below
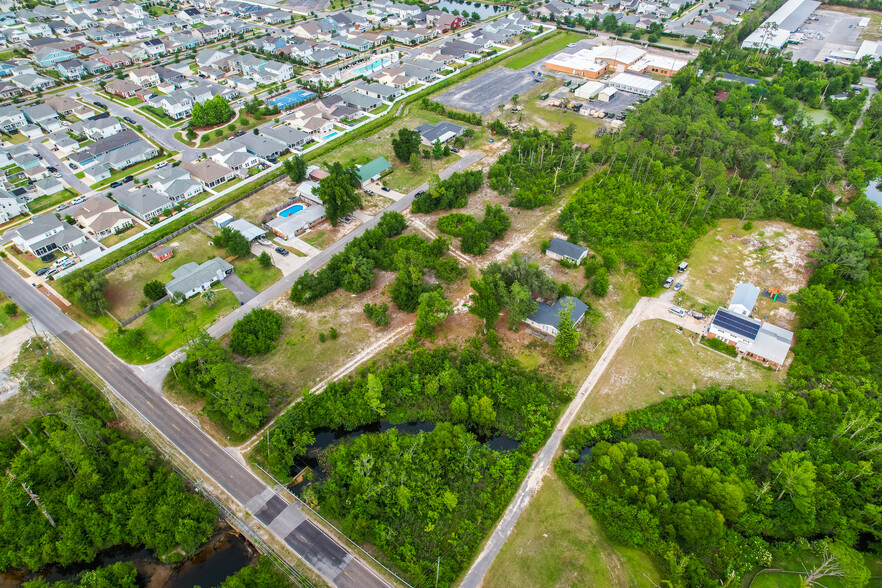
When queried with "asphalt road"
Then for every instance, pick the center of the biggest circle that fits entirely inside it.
(67, 174)
(319, 550)
(155, 373)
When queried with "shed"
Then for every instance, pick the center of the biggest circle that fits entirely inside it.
(162, 253)
(222, 220)
(248, 230)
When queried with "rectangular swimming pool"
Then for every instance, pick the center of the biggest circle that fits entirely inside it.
(293, 209)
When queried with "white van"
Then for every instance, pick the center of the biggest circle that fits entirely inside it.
(678, 311)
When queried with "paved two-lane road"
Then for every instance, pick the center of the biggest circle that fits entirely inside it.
(336, 564)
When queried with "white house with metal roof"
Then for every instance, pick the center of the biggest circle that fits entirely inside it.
(193, 278)
(547, 317)
(744, 298)
(560, 249)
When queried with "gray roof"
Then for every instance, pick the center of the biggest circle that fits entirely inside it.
(113, 142)
(745, 295)
(360, 100)
(37, 226)
(547, 315)
(290, 225)
(192, 275)
(247, 230)
(740, 79)
(286, 134)
(131, 151)
(260, 145)
(772, 343)
(143, 201)
(439, 130)
(566, 249)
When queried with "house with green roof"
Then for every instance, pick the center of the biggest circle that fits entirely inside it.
(372, 170)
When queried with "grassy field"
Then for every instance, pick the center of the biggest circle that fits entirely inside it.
(546, 47)
(779, 580)
(166, 326)
(126, 284)
(7, 323)
(771, 255)
(244, 122)
(656, 362)
(51, 200)
(254, 207)
(558, 543)
(401, 179)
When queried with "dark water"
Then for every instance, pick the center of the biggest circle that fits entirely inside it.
(484, 10)
(585, 455)
(220, 558)
(324, 437)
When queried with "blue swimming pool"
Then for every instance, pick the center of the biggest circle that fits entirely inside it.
(330, 136)
(291, 100)
(294, 209)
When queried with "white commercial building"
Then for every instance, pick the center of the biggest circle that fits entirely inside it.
(776, 30)
(627, 82)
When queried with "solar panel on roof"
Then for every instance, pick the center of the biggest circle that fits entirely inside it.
(736, 324)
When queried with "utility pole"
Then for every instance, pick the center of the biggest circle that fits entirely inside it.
(437, 570)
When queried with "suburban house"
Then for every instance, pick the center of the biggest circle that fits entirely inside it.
(72, 69)
(209, 173)
(234, 156)
(372, 170)
(752, 338)
(162, 252)
(11, 206)
(144, 203)
(49, 56)
(263, 147)
(48, 185)
(145, 77)
(441, 131)
(291, 137)
(547, 318)
(102, 128)
(241, 226)
(193, 278)
(176, 184)
(11, 118)
(32, 82)
(295, 224)
(124, 88)
(560, 249)
(744, 299)
(44, 234)
(101, 216)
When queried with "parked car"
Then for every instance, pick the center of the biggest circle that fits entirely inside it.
(669, 282)
(71, 165)
(238, 133)
(160, 165)
(677, 286)
(78, 200)
(129, 120)
(420, 193)
(386, 189)
(678, 311)
(116, 184)
(282, 251)
(454, 149)
(51, 169)
(697, 315)
(107, 76)
(60, 207)
(57, 174)
(41, 271)
(368, 192)
(100, 104)
(128, 179)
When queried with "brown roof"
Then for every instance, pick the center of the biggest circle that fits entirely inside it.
(109, 220)
(206, 171)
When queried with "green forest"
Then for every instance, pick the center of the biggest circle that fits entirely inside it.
(77, 484)
(421, 497)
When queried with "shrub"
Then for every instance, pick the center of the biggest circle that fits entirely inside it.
(322, 337)
(256, 333)
(378, 313)
(154, 290)
(11, 309)
(718, 345)
(332, 333)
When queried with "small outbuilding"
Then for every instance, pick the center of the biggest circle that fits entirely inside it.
(162, 253)
(560, 249)
(744, 299)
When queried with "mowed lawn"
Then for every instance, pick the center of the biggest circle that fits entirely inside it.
(7, 323)
(655, 362)
(552, 44)
(126, 284)
(557, 543)
(401, 179)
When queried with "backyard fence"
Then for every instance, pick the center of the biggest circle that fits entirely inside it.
(188, 227)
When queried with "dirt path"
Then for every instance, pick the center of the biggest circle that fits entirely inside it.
(364, 355)
(646, 308)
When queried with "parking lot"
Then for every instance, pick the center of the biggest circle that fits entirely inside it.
(836, 30)
(485, 93)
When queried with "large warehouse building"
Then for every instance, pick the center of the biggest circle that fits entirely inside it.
(776, 30)
(628, 82)
(597, 61)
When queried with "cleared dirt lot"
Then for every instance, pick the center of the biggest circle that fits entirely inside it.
(772, 255)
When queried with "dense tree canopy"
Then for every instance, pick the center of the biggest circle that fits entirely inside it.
(450, 193)
(215, 111)
(338, 192)
(256, 332)
(99, 487)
